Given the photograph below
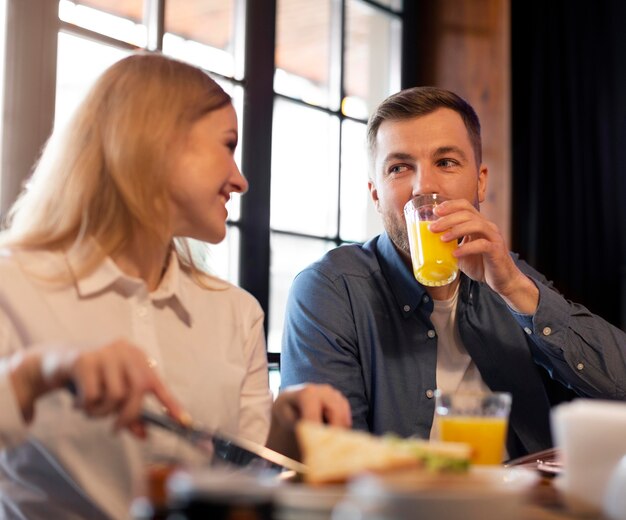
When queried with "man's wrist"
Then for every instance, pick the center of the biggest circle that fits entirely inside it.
(522, 296)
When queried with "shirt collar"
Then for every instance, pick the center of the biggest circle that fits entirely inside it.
(407, 291)
(109, 276)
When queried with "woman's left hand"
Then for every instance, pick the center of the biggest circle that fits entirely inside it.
(310, 402)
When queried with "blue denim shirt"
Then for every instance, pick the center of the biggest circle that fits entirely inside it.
(358, 320)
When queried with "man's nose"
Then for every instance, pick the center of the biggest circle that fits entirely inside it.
(425, 180)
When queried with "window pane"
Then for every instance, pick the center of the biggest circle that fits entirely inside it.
(202, 33)
(303, 46)
(359, 219)
(79, 62)
(223, 259)
(274, 380)
(289, 255)
(372, 58)
(304, 170)
(120, 19)
(236, 93)
(394, 4)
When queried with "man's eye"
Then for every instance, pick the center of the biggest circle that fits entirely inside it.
(447, 163)
(399, 168)
(231, 145)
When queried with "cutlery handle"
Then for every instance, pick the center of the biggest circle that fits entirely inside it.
(146, 416)
(70, 386)
(163, 421)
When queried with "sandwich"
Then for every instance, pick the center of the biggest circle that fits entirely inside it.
(334, 455)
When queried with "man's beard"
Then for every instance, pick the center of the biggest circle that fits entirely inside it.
(396, 229)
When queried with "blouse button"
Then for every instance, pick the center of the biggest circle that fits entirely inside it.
(407, 308)
(547, 331)
(430, 393)
(431, 333)
(425, 298)
(580, 366)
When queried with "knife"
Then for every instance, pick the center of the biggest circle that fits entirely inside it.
(230, 448)
(220, 446)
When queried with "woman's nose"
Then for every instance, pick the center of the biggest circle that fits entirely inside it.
(240, 183)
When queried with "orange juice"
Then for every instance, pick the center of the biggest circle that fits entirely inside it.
(486, 435)
(433, 263)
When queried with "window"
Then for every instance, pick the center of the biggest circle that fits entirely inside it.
(96, 33)
(335, 61)
(304, 76)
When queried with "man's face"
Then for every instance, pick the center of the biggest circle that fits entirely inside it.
(426, 154)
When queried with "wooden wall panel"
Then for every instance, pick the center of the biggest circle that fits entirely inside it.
(464, 47)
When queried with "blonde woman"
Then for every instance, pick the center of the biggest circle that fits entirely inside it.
(97, 289)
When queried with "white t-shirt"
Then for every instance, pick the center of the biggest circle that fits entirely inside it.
(208, 345)
(455, 369)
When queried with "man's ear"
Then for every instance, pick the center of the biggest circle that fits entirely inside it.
(483, 175)
(373, 193)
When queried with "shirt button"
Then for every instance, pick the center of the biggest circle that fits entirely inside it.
(425, 298)
(431, 333)
(527, 330)
(547, 331)
(580, 366)
(407, 308)
(430, 393)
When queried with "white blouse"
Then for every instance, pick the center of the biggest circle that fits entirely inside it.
(208, 345)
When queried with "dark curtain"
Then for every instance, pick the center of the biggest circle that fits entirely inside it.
(569, 147)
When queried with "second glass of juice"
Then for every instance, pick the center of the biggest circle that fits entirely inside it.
(432, 259)
(479, 419)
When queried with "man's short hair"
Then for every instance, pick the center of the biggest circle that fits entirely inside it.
(420, 101)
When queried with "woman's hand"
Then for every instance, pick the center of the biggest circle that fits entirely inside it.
(310, 402)
(111, 379)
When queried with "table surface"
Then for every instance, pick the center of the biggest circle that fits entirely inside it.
(546, 503)
(542, 501)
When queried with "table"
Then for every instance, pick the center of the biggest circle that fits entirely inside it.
(546, 503)
(298, 501)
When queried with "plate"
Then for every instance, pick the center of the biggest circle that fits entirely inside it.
(546, 462)
(485, 493)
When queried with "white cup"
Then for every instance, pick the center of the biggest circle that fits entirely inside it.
(590, 434)
(615, 495)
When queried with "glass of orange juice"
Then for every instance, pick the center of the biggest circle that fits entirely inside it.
(432, 259)
(479, 419)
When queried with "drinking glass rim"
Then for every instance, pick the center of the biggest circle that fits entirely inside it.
(474, 393)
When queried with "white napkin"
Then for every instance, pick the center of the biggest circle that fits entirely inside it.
(592, 437)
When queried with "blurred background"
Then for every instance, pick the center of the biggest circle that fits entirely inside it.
(548, 80)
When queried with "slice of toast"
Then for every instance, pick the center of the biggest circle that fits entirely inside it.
(336, 454)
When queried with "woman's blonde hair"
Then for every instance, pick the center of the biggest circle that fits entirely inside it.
(103, 175)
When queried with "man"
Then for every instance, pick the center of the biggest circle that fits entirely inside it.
(358, 319)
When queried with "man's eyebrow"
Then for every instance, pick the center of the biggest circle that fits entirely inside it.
(399, 156)
(445, 150)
